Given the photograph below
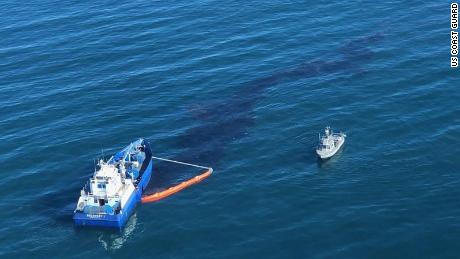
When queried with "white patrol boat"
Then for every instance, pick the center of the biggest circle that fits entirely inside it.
(329, 143)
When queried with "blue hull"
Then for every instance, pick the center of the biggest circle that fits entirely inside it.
(117, 220)
(144, 182)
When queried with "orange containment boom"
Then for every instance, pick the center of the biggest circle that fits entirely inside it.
(172, 190)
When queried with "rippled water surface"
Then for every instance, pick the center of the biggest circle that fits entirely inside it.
(244, 87)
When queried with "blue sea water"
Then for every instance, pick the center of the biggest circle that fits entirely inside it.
(244, 87)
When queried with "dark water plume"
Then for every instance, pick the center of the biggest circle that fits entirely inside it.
(226, 120)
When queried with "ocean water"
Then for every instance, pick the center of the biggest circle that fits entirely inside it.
(244, 87)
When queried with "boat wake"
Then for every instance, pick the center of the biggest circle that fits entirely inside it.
(114, 241)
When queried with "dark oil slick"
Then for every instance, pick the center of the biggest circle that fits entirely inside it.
(224, 121)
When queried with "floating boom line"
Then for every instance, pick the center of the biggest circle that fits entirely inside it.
(179, 187)
(179, 162)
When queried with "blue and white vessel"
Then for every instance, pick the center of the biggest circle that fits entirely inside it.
(110, 196)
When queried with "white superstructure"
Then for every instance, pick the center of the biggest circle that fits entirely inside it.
(109, 190)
